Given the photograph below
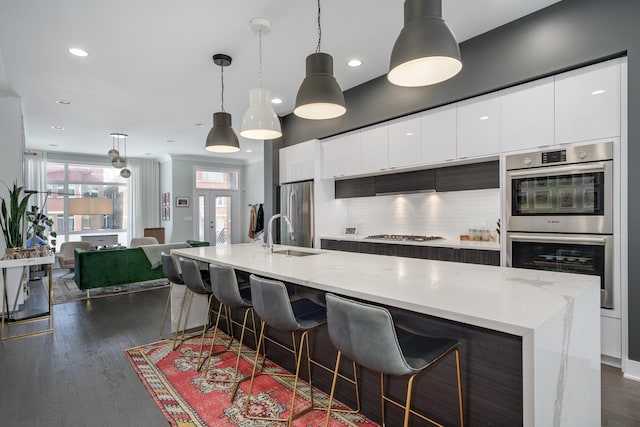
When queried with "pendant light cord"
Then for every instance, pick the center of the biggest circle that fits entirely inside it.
(222, 92)
(260, 59)
(319, 30)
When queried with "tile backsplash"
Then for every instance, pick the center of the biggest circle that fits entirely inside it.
(447, 214)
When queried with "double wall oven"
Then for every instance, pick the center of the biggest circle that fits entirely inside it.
(560, 212)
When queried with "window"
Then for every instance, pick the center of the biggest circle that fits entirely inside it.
(73, 180)
(216, 179)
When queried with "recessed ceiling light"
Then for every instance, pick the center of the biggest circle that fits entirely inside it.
(354, 63)
(63, 102)
(597, 92)
(78, 52)
(53, 145)
(409, 134)
(249, 151)
(276, 101)
(57, 127)
(198, 124)
(484, 117)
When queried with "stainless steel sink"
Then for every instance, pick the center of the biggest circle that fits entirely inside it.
(293, 252)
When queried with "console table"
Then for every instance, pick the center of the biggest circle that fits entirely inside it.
(8, 267)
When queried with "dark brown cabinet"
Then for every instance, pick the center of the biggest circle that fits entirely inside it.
(438, 253)
(357, 187)
(474, 176)
(406, 182)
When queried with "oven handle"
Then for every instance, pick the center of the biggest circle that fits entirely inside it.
(552, 239)
(596, 167)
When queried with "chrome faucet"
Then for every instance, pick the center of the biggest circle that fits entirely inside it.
(269, 243)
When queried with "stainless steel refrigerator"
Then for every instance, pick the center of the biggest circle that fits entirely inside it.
(296, 202)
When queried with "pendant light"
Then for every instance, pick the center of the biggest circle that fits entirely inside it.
(260, 121)
(125, 172)
(426, 51)
(119, 161)
(113, 152)
(319, 96)
(222, 138)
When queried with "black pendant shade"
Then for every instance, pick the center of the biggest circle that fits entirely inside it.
(222, 138)
(319, 96)
(426, 51)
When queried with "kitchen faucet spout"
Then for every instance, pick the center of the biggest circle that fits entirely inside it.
(269, 242)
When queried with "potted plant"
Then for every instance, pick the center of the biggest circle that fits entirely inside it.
(12, 217)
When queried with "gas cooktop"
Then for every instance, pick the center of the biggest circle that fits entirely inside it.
(405, 237)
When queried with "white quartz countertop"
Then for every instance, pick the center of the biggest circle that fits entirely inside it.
(510, 300)
(446, 242)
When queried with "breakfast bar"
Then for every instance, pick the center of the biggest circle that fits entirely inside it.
(530, 340)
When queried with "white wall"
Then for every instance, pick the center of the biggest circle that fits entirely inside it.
(447, 214)
(253, 193)
(12, 143)
(166, 186)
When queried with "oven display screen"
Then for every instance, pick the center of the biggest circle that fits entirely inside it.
(554, 157)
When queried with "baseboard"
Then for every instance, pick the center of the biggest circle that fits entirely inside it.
(611, 361)
(632, 370)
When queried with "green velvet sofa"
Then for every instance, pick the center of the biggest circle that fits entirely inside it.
(101, 268)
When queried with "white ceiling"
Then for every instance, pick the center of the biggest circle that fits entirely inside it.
(149, 71)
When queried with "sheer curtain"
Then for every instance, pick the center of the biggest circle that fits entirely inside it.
(35, 170)
(144, 195)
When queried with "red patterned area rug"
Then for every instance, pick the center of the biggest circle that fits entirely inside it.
(186, 398)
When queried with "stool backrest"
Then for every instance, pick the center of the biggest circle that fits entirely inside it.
(170, 270)
(271, 301)
(192, 277)
(366, 334)
(225, 285)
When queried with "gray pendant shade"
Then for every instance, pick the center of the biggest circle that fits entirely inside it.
(222, 138)
(426, 51)
(319, 96)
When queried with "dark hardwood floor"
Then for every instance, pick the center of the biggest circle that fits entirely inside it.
(79, 376)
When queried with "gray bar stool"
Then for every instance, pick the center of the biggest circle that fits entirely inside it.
(272, 304)
(366, 334)
(224, 285)
(196, 285)
(171, 272)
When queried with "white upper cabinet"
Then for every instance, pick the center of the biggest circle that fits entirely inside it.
(438, 135)
(588, 103)
(341, 155)
(297, 162)
(404, 142)
(374, 148)
(478, 126)
(528, 115)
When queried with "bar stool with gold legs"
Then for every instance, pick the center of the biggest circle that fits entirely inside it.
(366, 334)
(196, 285)
(272, 304)
(175, 278)
(224, 285)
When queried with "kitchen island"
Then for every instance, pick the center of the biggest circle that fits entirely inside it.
(530, 339)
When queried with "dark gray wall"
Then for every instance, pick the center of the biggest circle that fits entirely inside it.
(566, 35)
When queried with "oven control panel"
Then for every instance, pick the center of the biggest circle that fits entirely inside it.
(568, 155)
